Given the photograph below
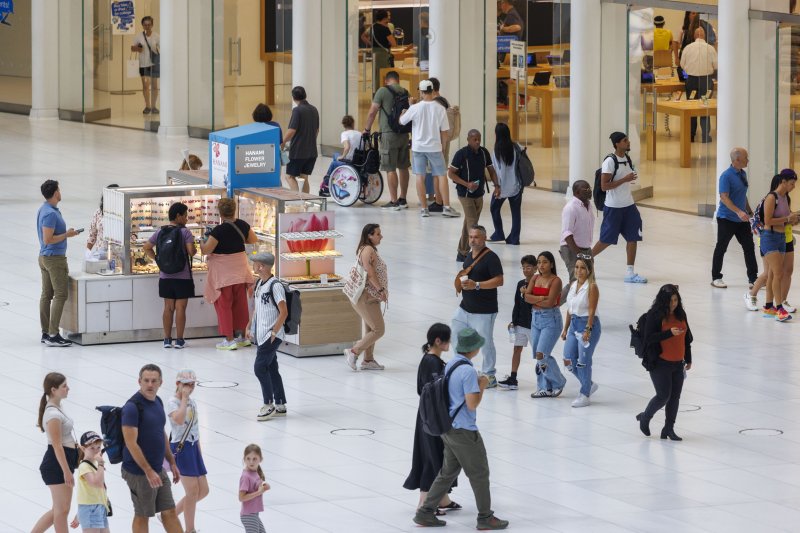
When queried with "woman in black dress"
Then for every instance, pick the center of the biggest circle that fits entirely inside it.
(429, 450)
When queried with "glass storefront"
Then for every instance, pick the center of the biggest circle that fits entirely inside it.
(15, 59)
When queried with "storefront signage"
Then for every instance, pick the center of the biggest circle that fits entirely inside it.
(254, 158)
(219, 164)
(6, 8)
(519, 61)
(123, 18)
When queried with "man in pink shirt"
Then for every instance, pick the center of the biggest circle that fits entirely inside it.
(577, 228)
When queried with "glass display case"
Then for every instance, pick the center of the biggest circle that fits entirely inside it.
(296, 228)
(133, 214)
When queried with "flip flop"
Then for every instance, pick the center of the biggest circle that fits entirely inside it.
(452, 506)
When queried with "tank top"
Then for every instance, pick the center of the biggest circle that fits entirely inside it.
(545, 291)
(781, 208)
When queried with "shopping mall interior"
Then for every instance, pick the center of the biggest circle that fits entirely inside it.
(71, 100)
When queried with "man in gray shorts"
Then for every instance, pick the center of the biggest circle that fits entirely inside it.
(146, 446)
(395, 158)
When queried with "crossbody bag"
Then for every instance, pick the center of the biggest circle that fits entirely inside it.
(465, 271)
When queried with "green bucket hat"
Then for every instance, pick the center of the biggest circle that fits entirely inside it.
(469, 340)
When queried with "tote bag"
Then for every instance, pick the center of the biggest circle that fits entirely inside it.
(133, 67)
(355, 282)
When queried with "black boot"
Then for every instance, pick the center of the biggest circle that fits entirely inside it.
(644, 424)
(669, 433)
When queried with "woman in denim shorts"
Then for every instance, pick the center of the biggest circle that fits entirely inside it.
(544, 294)
(777, 215)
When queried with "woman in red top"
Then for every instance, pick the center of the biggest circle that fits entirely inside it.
(667, 355)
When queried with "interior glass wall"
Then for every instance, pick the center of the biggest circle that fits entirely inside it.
(671, 110)
(15, 59)
(535, 105)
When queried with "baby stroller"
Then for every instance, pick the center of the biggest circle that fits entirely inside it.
(359, 178)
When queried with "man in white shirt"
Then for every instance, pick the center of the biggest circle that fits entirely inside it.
(620, 214)
(699, 61)
(577, 229)
(429, 133)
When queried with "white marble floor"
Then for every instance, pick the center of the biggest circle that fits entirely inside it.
(554, 468)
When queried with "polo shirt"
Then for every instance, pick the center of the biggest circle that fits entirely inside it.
(50, 217)
(733, 182)
(462, 381)
(151, 437)
(305, 122)
(471, 166)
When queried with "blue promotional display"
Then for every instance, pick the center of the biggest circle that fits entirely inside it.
(245, 157)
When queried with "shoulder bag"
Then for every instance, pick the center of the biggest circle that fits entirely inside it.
(155, 57)
(465, 271)
(109, 509)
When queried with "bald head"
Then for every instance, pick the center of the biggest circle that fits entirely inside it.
(699, 33)
(739, 158)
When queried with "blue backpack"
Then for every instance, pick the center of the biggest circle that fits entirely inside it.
(111, 428)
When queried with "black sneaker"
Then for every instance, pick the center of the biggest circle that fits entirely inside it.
(435, 208)
(45, 336)
(393, 206)
(508, 384)
(57, 341)
(402, 204)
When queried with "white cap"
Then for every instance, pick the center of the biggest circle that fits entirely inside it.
(426, 85)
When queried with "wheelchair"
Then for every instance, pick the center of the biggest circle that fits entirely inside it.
(359, 178)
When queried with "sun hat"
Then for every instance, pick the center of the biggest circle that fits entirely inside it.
(469, 340)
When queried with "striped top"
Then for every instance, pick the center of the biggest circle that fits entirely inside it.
(266, 311)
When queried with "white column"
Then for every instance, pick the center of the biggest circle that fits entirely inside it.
(174, 83)
(44, 59)
(307, 54)
(331, 62)
(584, 101)
(445, 57)
(733, 122)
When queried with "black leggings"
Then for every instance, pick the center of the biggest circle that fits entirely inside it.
(667, 379)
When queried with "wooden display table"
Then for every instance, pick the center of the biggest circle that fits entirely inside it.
(685, 109)
(412, 75)
(546, 95)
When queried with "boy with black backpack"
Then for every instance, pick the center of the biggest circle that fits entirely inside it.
(463, 445)
(172, 248)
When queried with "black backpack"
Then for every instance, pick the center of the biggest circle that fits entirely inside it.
(637, 335)
(598, 194)
(434, 404)
(757, 222)
(111, 428)
(399, 104)
(524, 168)
(293, 306)
(171, 256)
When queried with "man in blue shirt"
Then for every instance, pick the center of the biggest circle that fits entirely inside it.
(463, 445)
(733, 220)
(53, 235)
(146, 446)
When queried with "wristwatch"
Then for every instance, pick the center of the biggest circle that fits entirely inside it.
(477, 285)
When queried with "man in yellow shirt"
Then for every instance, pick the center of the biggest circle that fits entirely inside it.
(662, 37)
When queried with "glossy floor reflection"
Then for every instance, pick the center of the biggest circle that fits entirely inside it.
(554, 468)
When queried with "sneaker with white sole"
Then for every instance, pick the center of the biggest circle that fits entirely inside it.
(168, 342)
(789, 307)
(280, 409)
(180, 344)
(782, 315)
(57, 341)
(750, 302)
(424, 212)
(371, 365)
(580, 401)
(227, 345)
(719, 284)
(557, 392)
(634, 278)
(492, 382)
(542, 394)
(266, 412)
(449, 212)
(241, 342)
(401, 204)
(508, 383)
(350, 358)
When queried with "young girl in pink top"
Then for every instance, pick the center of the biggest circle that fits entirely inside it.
(252, 487)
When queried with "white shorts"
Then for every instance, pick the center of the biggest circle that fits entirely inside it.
(521, 336)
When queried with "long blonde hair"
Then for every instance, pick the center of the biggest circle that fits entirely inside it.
(590, 267)
(256, 449)
(53, 380)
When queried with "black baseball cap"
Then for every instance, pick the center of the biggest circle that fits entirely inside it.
(89, 437)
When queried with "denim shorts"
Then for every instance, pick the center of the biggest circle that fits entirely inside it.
(420, 161)
(546, 325)
(93, 516)
(772, 241)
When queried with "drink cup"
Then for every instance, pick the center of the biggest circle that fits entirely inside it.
(323, 279)
(464, 279)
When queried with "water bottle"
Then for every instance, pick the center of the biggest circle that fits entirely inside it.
(512, 334)
(579, 336)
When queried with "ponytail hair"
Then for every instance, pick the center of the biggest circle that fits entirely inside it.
(53, 380)
(256, 449)
(436, 331)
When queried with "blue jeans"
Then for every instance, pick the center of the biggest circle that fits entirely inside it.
(266, 370)
(546, 326)
(334, 164)
(580, 357)
(515, 202)
(484, 325)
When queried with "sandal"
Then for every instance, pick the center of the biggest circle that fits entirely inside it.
(452, 506)
(439, 512)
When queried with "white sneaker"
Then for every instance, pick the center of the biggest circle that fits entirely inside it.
(580, 401)
(371, 365)
(266, 412)
(750, 302)
(448, 211)
(424, 212)
(789, 307)
(350, 358)
(719, 284)
(280, 410)
(227, 345)
(593, 389)
(241, 342)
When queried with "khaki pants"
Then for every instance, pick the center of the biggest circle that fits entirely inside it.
(55, 284)
(472, 212)
(369, 309)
